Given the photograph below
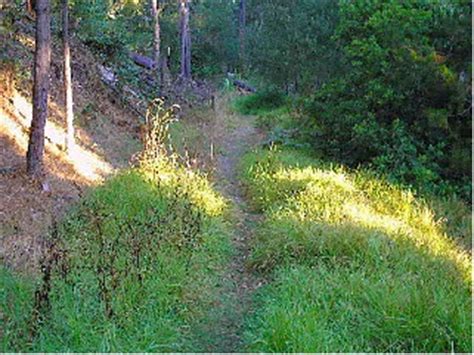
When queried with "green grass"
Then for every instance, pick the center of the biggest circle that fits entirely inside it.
(16, 306)
(135, 267)
(260, 103)
(356, 264)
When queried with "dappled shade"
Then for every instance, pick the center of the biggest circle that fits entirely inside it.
(87, 164)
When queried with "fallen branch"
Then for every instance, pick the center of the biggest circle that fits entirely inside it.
(244, 87)
(143, 61)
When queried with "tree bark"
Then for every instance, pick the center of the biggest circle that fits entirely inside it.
(155, 12)
(70, 142)
(34, 156)
(185, 40)
(30, 6)
(242, 25)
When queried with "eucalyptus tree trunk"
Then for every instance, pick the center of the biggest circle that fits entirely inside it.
(70, 142)
(242, 24)
(29, 6)
(185, 40)
(155, 12)
(34, 156)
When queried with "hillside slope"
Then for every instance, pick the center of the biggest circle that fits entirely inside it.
(106, 134)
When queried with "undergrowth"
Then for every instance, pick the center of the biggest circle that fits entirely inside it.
(357, 264)
(260, 102)
(134, 266)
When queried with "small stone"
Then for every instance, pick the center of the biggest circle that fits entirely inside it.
(45, 186)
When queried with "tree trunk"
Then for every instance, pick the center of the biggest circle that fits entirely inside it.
(34, 156)
(29, 6)
(70, 143)
(155, 12)
(242, 24)
(185, 40)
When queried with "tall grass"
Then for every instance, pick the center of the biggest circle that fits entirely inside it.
(131, 268)
(357, 264)
(134, 266)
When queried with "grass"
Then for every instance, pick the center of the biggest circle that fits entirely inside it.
(260, 103)
(16, 306)
(133, 267)
(357, 264)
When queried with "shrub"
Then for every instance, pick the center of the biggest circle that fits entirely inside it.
(403, 105)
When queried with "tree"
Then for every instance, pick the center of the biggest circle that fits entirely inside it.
(215, 37)
(290, 43)
(70, 143)
(156, 9)
(185, 40)
(242, 24)
(34, 156)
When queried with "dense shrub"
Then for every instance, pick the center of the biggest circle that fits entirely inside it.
(289, 45)
(358, 265)
(404, 105)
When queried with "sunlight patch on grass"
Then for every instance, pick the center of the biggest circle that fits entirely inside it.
(358, 264)
(171, 176)
(135, 266)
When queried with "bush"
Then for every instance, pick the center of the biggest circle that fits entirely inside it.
(403, 105)
(358, 264)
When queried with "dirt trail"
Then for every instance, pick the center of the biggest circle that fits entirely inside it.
(233, 135)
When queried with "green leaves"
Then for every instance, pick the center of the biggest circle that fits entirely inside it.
(399, 71)
(291, 44)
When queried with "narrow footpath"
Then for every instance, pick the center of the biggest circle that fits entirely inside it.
(233, 135)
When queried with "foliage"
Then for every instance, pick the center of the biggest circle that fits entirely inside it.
(115, 28)
(404, 105)
(290, 43)
(214, 37)
(97, 29)
(260, 102)
(358, 265)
